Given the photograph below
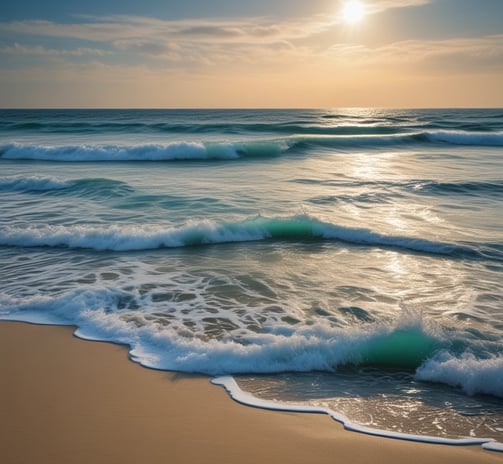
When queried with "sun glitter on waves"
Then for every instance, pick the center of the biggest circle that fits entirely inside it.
(353, 12)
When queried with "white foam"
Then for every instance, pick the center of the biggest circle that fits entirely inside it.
(493, 446)
(242, 397)
(123, 238)
(150, 152)
(102, 313)
(473, 374)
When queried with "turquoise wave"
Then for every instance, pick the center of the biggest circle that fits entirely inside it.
(197, 233)
(251, 149)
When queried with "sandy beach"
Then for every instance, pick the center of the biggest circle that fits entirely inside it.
(65, 400)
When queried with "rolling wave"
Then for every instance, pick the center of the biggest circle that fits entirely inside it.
(99, 187)
(378, 191)
(151, 152)
(185, 150)
(435, 128)
(485, 188)
(291, 127)
(405, 138)
(466, 138)
(95, 186)
(32, 183)
(144, 237)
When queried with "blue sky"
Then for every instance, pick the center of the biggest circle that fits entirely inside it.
(275, 53)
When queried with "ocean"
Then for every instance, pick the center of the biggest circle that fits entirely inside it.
(345, 260)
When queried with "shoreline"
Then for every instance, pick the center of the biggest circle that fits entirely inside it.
(64, 399)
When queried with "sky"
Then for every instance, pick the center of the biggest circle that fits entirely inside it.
(242, 53)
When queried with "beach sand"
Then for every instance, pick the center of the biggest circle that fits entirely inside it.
(65, 400)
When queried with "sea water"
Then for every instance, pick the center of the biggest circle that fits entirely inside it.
(348, 260)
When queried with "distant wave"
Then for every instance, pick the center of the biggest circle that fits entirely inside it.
(151, 152)
(486, 188)
(98, 187)
(38, 183)
(405, 138)
(445, 131)
(385, 192)
(466, 138)
(35, 183)
(283, 128)
(143, 237)
(265, 148)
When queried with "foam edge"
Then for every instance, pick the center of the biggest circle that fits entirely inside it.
(240, 396)
(493, 446)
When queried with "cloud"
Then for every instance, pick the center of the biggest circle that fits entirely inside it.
(470, 55)
(377, 6)
(211, 30)
(205, 40)
(259, 40)
(127, 27)
(121, 27)
(38, 50)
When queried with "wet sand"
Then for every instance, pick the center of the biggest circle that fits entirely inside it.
(65, 400)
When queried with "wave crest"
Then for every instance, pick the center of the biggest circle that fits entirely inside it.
(32, 183)
(144, 237)
(185, 150)
(472, 374)
(466, 138)
(175, 151)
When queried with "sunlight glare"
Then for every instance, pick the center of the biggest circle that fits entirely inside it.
(353, 12)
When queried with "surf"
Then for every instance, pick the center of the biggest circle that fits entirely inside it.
(173, 151)
(124, 237)
(255, 149)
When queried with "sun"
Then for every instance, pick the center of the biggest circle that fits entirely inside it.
(353, 11)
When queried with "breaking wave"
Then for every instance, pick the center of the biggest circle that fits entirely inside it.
(186, 150)
(205, 232)
(407, 343)
(152, 152)
(474, 375)
(277, 347)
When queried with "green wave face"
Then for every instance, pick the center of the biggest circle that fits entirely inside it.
(403, 348)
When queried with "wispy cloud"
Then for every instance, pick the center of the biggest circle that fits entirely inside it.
(463, 54)
(38, 50)
(120, 27)
(213, 41)
(377, 6)
(207, 42)
(114, 28)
